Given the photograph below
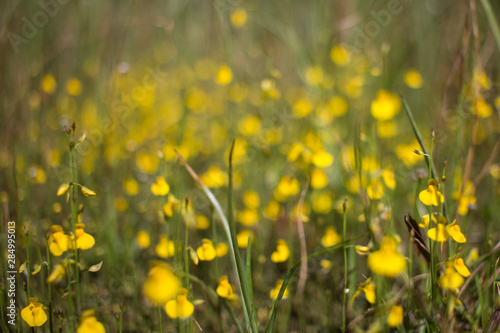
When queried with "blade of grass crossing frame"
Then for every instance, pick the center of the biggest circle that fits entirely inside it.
(493, 21)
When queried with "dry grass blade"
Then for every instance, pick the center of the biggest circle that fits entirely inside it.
(417, 239)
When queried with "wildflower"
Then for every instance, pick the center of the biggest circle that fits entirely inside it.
(282, 252)
(431, 195)
(214, 177)
(206, 252)
(48, 84)
(165, 248)
(286, 187)
(340, 55)
(248, 217)
(395, 317)
(251, 199)
(73, 87)
(131, 187)
(160, 187)
(442, 232)
(194, 257)
(425, 221)
(84, 241)
(161, 285)
(375, 190)
(362, 250)
(385, 106)
(450, 280)
(221, 249)
(242, 238)
(389, 180)
(483, 109)
(368, 288)
(224, 75)
(413, 79)
(180, 307)
(171, 205)
(58, 273)
(143, 239)
(303, 107)
(459, 265)
(322, 159)
(387, 260)
(318, 179)
(330, 238)
(272, 210)
(202, 222)
(58, 241)
(314, 75)
(89, 323)
(225, 289)
(87, 192)
(62, 189)
(275, 291)
(250, 125)
(34, 314)
(337, 105)
(238, 17)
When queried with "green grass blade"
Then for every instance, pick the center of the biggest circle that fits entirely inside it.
(493, 21)
(270, 325)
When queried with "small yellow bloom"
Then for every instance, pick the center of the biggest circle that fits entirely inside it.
(224, 75)
(161, 285)
(362, 250)
(337, 105)
(73, 87)
(248, 217)
(251, 199)
(456, 234)
(275, 291)
(387, 260)
(330, 238)
(89, 323)
(84, 241)
(58, 273)
(33, 314)
(450, 280)
(395, 316)
(431, 196)
(425, 221)
(63, 189)
(214, 177)
(439, 233)
(340, 55)
(131, 186)
(58, 241)
(160, 187)
(242, 238)
(238, 17)
(221, 249)
(225, 289)
(368, 288)
(165, 248)
(180, 307)
(322, 159)
(413, 79)
(282, 252)
(318, 179)
(314, 75)
(286, 187)
(48, 84)
(303, 107)
(385, 106)
(460, 267)
(87, 192)
(322, 202)
(272, 210)
(375, 190)
(484, 110)
(143, 239)
(389, 179)
(202, 222)
(171, 205)
(206, 252)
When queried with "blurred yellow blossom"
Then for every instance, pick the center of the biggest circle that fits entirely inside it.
(318, 179)
(314, 75)
(58, 241)
(340, 55)
(180, 307)
(251, 199)
(330, 238)
(34, 314)
(89, 323)
(131, 187)
(160, 187)
(387, 260)
(143, 239)
(202, 222)
(225, 289)
(161, 285)
(282, 252)
(413, 79)
(322, 159)
(214, 177)
(165, 247)
(242, 238)
(450, 280)
(206, 252)
(395, 317)
(224, 75)
(221, 249)
(238, 17)
(431, 195)
(375, 190)
(459, 265)
(286, 187)
(48, 84)
(368, 288)
(248, 217)
(73, 87)
(84, 241)
(275, 291)
(385, 106)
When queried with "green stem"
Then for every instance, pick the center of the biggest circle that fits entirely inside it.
(74, 221)
(49, 285)
(493, 22)
(28, 263)
(344, 303)
(159, 318)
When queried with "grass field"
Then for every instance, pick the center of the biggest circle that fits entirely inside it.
(250, 166)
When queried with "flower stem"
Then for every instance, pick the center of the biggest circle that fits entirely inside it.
(344, 303)
(49, 285)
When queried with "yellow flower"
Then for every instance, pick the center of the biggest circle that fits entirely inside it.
(484, 110)
(282, 252)
(395, 316)
(286, 187)
(431, 195)
(460, 267)
(425, 221)
(160, 187)
(58, 241)
(272, 210)
(242, 238)
(84, 241)
(450, 280)
(165, 248)
(58, 273)
(375, 190)
(385, 106)
(161, 285)
(33, 314)
(248, 217)
(322, 202)
(275, 291)
(413, 79)
(224, 75)
(62, 189)
(456, 233)
(202, 222)
(238, 17)
(442, 233)
(73, 87)
(221, 249)
(337, 105)
(322, 159)
(143, 239)
(131, 187)
(340, 55)
(171, 205)
(251, 199)
(89, 323)
(206, 252)
(389, 180)
(318, 179)
(48, 84)
(330, 238)
(250, 125)
(180, 307)
(368, 288)
(303, 107)
(87, 192)
(214, 177)
(387, 260)
(225, 289)
(314, 75)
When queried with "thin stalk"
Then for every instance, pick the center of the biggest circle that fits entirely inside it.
(49, 285)
(120, 323)
(492, 19)
(344, 303)
(28, 273)
(74, 219)
(159, 318)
